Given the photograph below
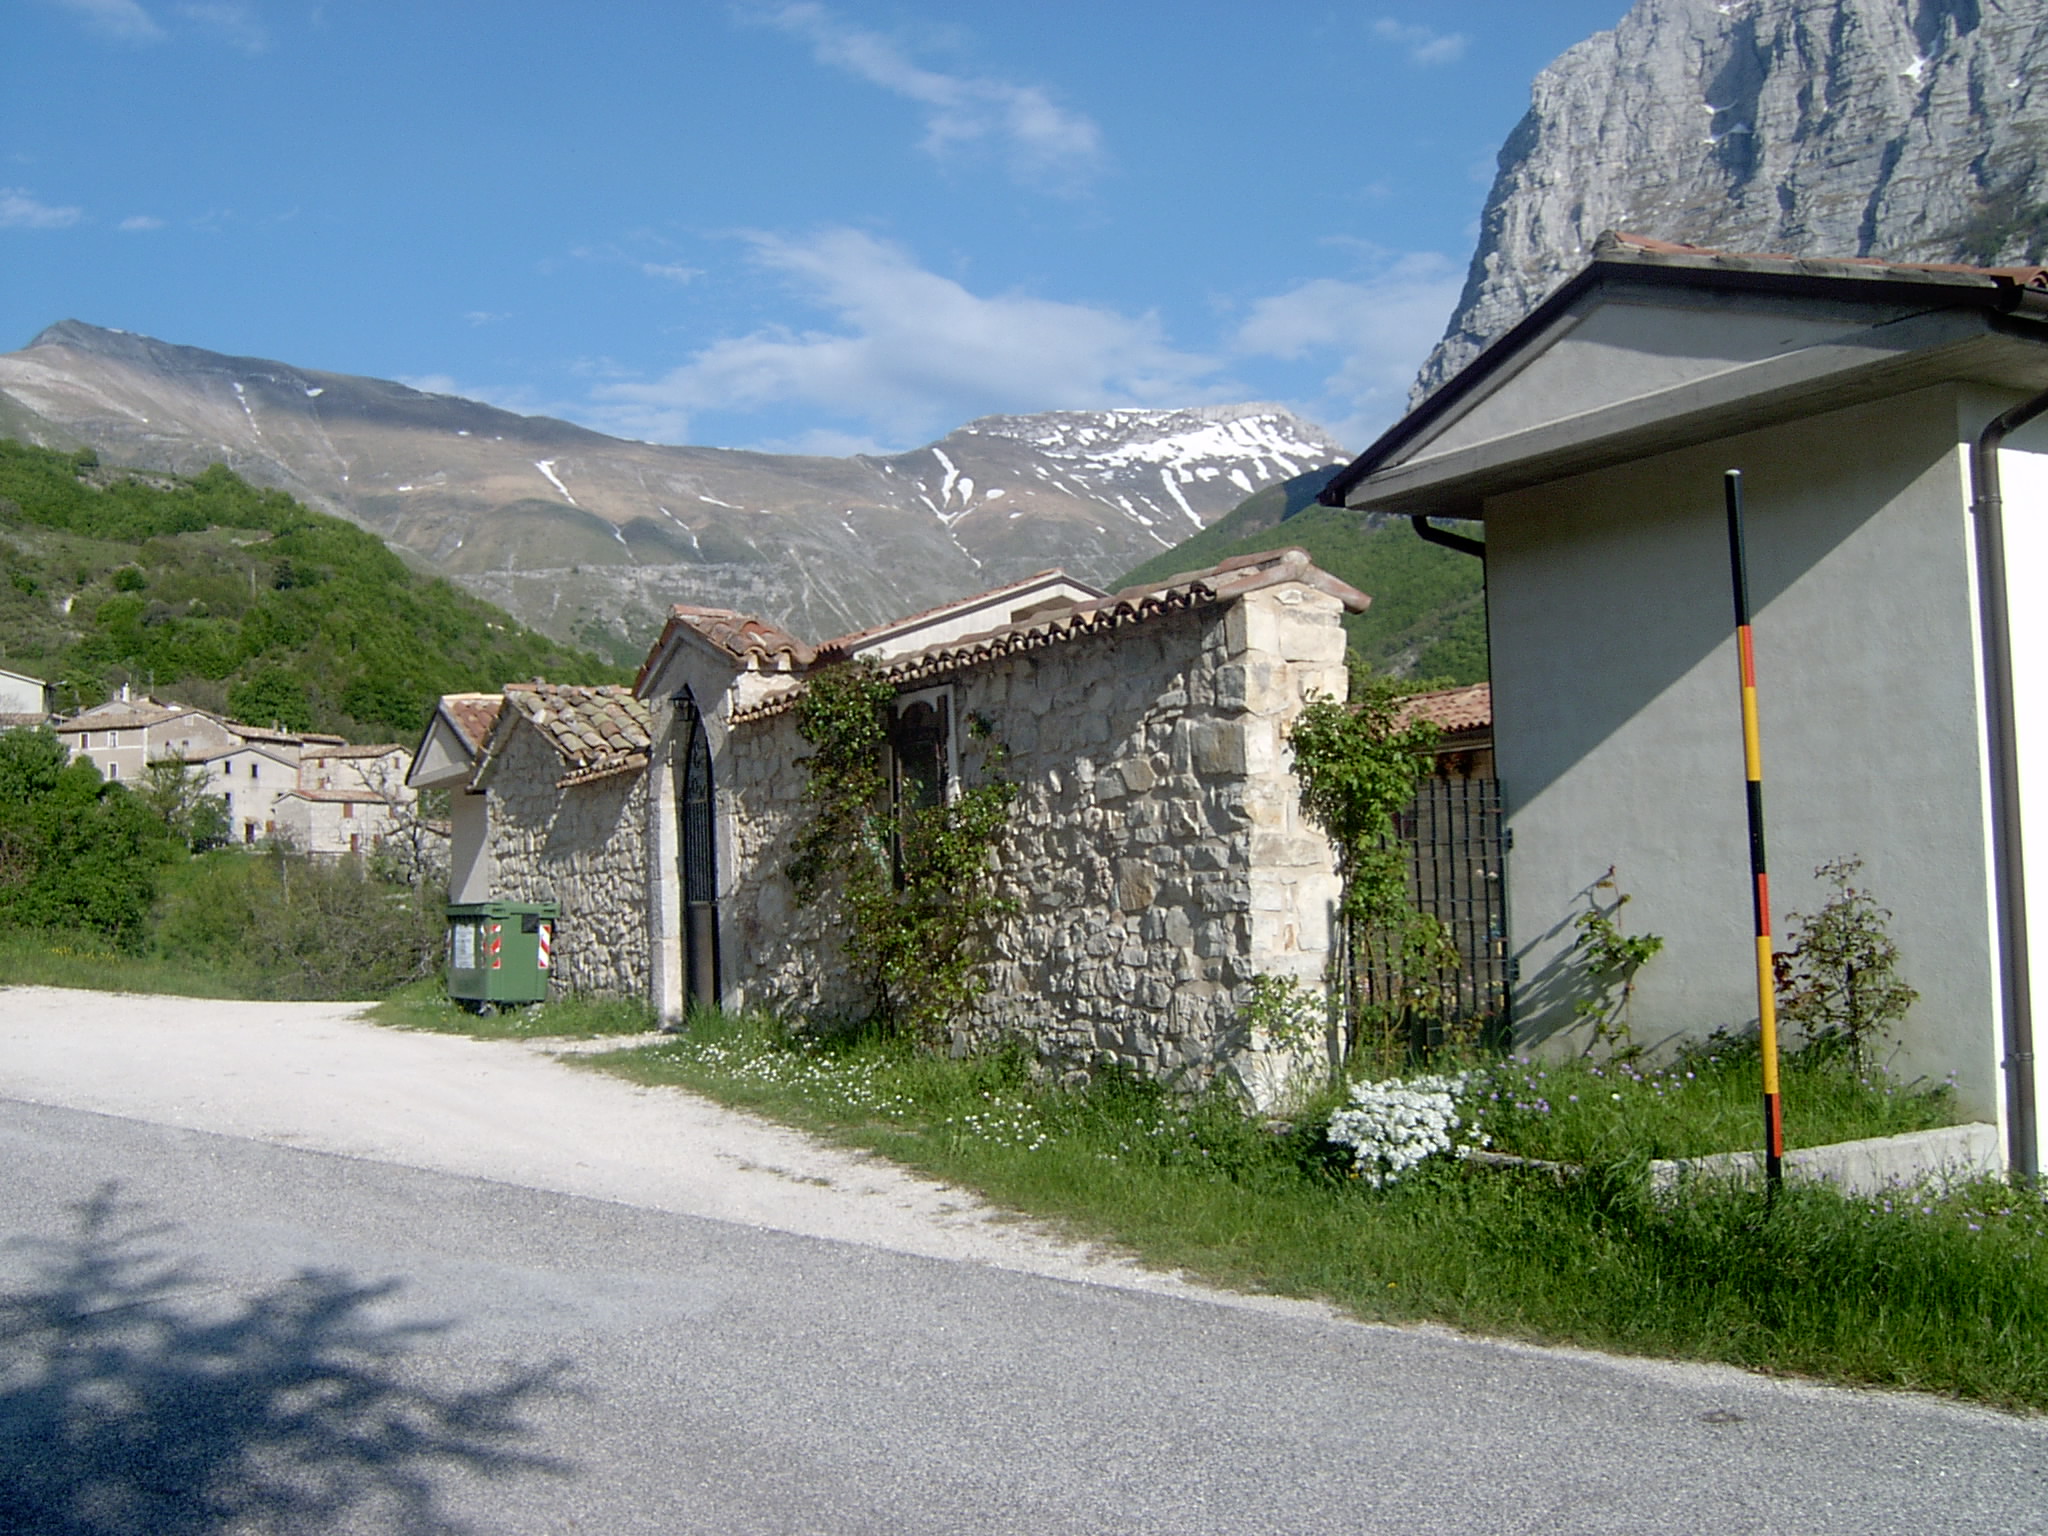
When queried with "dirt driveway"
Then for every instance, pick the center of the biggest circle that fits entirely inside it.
(317, 1076)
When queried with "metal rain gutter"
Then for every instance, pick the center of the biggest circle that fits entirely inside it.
(2008, 866)
(1434, 535)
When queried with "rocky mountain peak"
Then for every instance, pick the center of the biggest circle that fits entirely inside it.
(1915, 130)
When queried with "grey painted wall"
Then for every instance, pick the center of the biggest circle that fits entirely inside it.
(1617, 726)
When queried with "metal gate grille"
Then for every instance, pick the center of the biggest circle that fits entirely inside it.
(1457, 857)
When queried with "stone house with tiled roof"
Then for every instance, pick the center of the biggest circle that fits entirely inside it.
(1157, 856)
(562, 780)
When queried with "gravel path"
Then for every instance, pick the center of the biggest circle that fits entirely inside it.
(318, 1076)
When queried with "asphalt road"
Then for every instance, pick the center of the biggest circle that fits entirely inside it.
(211, 1333)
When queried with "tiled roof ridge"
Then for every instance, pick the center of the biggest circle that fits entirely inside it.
(1615, 243)
(745, 637)
(1221, 583)
(345, 750)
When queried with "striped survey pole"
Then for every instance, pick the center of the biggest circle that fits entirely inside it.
(1760, 883)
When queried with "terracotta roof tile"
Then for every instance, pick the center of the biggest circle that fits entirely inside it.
(314, 754)
(751, 641)
(1469, 708)
(596, 731)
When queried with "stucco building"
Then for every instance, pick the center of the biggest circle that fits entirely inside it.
(1876, 412)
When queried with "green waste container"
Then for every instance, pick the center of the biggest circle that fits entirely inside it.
(500, 951)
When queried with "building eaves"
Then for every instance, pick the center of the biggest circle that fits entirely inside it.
(1949, 292)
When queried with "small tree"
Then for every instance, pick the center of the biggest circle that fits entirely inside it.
(1610, 959)
(176, 791)
(1839, 981)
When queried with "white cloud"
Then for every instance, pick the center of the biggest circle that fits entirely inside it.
(1045, 143)
(1423, 45)
(141, 221)
(671, 271)
(1377, 329)
(483, 317)
(122, 20)
(19, 209)
(911, 353)
(237, 25)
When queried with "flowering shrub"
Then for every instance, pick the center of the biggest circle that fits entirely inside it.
(1394, 1125)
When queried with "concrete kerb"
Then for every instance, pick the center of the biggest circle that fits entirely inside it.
(1946, 1155)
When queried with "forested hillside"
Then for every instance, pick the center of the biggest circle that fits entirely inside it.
(215, 593)
(1428, 614)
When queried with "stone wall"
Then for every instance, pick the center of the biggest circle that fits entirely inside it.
(1157, 853)
(583, 848)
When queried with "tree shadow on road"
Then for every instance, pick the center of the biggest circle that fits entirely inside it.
(138, 1397)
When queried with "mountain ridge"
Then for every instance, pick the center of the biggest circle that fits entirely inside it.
(1913, 132)
(581, 534)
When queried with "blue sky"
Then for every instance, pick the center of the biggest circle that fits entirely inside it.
(798, 226)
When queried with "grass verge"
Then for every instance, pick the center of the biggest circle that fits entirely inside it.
(41, 958)
(1706, 1101)
(1948, 1296)
(425, 1005)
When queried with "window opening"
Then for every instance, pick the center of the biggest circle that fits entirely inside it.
(920, 740)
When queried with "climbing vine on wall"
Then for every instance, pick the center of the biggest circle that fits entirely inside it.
(914, 886)
(1357, 765)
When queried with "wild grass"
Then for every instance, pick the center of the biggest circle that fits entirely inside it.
(1947, 1295)
(49, 958)
(425, 1005)
(1707, 1100)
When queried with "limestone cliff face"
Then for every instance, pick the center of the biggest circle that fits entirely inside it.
(1915, 130)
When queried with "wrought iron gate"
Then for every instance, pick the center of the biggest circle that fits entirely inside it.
(1457, 868)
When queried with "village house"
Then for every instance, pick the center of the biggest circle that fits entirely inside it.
(24, 700)
(1156, 855)
(317, 792)
(548, 786)
(123, 736)
(1884, 419)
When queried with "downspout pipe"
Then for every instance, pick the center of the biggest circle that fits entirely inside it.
(1435, 535)
(2008, 864)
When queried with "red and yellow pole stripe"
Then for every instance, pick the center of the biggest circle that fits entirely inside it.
(1760, 880)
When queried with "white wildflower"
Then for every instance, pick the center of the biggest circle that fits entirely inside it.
(1392, 1126)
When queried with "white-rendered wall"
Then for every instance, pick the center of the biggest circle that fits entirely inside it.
(2023, 472)
(469, 848)
(1617, 719)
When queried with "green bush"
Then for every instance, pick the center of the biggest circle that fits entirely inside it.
(288, 926)
(75, 853)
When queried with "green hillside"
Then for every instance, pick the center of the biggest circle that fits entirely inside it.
(1428, 614)
(215, 593)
